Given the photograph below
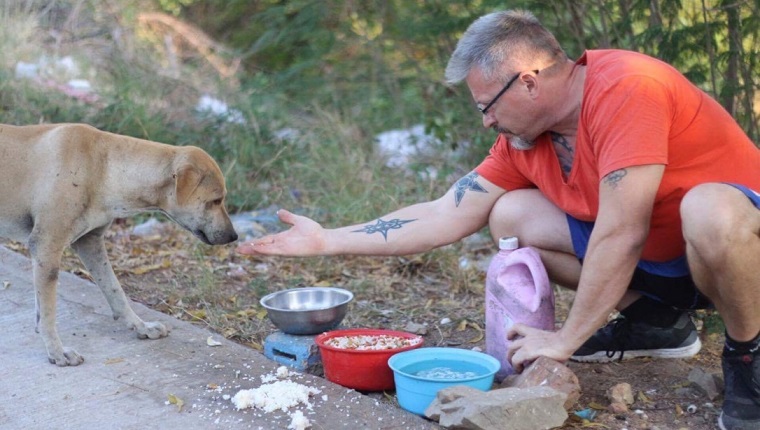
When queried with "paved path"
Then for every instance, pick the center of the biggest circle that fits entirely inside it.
(126, 383)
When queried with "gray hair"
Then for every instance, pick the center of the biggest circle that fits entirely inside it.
(513, 35)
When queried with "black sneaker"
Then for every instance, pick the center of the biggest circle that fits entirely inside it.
(637, 339)
(741, 404)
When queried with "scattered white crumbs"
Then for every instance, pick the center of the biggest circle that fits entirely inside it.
(282, 372)
(265, 379)
(298, 421)
(277, 395)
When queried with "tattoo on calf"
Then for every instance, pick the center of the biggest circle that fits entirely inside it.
(383, 226)
(468, 182)
(614, 178)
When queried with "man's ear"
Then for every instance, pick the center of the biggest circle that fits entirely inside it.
(186, 180)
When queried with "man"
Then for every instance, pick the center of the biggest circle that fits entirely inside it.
(635, 186)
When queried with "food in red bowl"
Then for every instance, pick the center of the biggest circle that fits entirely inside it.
(358, 358)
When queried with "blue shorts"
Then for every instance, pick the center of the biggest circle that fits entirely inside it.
(668, 282)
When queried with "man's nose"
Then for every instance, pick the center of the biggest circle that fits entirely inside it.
(488, 121)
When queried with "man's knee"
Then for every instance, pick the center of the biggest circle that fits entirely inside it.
(528, 215)
(508, 211)
(714, 216)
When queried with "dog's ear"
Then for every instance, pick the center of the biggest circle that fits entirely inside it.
(186, 180)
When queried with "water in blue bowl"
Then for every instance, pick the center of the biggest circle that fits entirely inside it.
(445, 369)
(419, 374)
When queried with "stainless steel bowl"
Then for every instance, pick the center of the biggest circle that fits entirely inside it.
(308, 310)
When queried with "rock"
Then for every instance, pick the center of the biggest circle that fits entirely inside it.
(151, 227)
(402, 147)
(709, 384)
(618, 408)
(413, 327)
(533, 408)
(547, 372)
(249, 225)
(446, 397)
(621, 393)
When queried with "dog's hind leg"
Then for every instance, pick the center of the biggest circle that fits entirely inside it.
(46, 261)
(92, 252)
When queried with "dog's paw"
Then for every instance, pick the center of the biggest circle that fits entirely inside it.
(151, 330)
(67, 357)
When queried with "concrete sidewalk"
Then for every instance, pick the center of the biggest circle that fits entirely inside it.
(126, 383)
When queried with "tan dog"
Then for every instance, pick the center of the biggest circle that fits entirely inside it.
(62, 185)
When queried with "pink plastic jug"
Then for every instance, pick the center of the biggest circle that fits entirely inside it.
(517, 291)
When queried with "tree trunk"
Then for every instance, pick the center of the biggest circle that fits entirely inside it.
(731, 84)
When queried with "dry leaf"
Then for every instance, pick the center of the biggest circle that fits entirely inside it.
(462, 325)
(246, 313)
(174, 400)
(255, 345)
(199, 314)
(477, 338)
(597, 406)
(643, 397)
(587, 423)
(113, 361)
(145, 269)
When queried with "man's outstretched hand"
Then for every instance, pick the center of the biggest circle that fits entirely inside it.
(305, 237)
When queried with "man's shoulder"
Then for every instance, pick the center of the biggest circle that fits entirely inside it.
(615, 67)
(600, 59)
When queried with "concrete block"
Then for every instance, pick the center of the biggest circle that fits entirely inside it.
(299, 352)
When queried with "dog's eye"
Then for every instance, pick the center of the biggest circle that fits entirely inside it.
(214, 203)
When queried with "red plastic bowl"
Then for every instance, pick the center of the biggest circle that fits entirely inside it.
(362, 370)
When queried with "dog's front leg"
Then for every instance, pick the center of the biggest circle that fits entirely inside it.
(46, 261)
(92, 252)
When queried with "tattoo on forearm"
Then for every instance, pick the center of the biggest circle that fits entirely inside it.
(383, 226)
(468, 182)
(614, 178)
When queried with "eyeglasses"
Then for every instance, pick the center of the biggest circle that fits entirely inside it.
(484, 110)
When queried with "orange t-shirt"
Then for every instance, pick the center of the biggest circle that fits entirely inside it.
(636, 110)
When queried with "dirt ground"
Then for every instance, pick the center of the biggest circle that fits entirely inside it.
(172, 272)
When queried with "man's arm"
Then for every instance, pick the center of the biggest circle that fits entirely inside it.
(625, 208)
(463, 210)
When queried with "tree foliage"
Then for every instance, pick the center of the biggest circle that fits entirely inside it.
(382, 61)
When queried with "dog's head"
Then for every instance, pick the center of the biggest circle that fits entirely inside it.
(196, 197)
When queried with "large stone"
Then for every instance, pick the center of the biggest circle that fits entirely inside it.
(620, 396)
(444, 402)
(620, 393)
(708, 383)
(533, 408)
(550, 373)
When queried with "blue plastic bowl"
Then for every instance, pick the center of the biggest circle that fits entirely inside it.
(446, 367)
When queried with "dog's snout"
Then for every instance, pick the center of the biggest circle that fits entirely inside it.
(219, 237)
(233, 236)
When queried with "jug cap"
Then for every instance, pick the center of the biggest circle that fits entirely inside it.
(508, 242)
